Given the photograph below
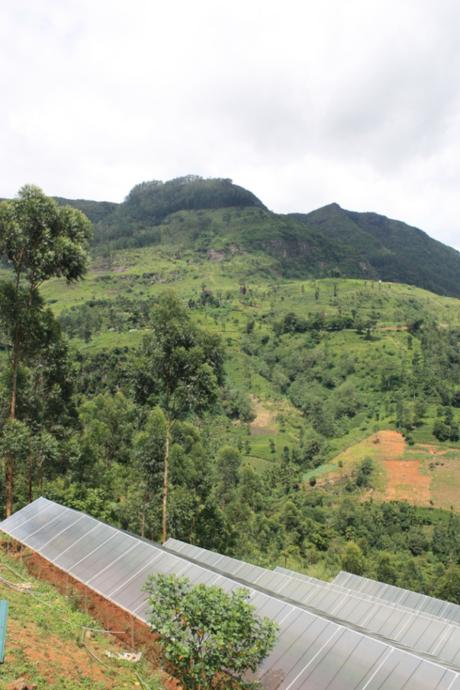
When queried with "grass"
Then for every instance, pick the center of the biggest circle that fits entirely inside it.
(427, 474)
(136, 275)
(44, 641)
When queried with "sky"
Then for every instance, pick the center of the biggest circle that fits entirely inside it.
(304, 102)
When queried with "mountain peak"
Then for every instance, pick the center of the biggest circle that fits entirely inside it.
(153, 201)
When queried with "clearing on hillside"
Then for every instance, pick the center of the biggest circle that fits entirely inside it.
(264, 421)
(423, 474)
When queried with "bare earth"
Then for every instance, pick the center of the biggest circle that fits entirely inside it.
(404, 478)
(265, 421)
(424, 474)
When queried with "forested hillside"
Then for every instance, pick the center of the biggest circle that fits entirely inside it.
(270, 397)
(215, 215)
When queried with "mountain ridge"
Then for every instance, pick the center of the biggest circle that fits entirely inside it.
(194, 214)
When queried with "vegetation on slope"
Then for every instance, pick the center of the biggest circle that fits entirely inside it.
(49, 643)
(215, 215)
(387, 249)
(311, 368)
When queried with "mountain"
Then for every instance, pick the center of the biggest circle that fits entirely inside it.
(202, 215)
(387, 249)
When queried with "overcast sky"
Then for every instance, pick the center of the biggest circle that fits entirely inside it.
(303, 102)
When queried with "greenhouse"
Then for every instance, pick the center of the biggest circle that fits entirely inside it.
(315, 649)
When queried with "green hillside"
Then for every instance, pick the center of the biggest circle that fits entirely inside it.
(215, 215)
(281, 466)
(388, 249)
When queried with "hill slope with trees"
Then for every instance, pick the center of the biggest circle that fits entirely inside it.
(215, 214)
(291, 372)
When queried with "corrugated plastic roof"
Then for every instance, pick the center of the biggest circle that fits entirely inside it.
(311, 653)
(413, 630)
(404, 597)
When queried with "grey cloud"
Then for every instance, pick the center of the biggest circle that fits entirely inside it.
(303, 102)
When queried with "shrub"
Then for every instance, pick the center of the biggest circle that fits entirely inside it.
(210, 637)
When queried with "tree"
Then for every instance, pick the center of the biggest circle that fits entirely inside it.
(228, 466)
(364, 474)
(38, 240)
(448, 586)
(211, 637)
(179, 369)
(353, 560)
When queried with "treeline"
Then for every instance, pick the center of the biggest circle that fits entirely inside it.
(134, 222)
(319, 321)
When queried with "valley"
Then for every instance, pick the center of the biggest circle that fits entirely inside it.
(334, 413)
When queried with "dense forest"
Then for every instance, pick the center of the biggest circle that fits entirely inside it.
(188, 388)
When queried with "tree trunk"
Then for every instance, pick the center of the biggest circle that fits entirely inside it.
(9, 460)
(9, 484)
(166, 482)
(29, 479)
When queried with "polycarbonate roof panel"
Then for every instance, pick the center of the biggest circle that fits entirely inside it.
(81, 548)
(123, 567)
(403, 597)
(70, 535)
(26, 513)
(300, 576)
(46, 516)
(416, 631)
(312, 652)
(52, 528)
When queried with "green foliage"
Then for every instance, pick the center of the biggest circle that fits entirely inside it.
(353, 560)
(180, 365)
(449, 584)
(153, 201)
(40, 239)
(364, 474)
(311, 367)
(328, 242)
(15, 440)
(150, 448)
(210, 638)
(229, 470)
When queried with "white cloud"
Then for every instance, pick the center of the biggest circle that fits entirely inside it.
(302, 102)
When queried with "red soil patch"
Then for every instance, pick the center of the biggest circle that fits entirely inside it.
(52, 660)
(390, 444)
(131, 632)
(405, 482)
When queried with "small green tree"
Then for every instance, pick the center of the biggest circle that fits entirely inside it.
(353, 560)
(229, 468)
(364, 474)
(210, 637)
(448, 586)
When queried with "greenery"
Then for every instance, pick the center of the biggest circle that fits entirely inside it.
(38, 240)
(178, 370)
(220, 219)
(210, 638)
(275, 406)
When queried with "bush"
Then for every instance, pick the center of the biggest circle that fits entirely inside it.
(211, 638)
(365, 470)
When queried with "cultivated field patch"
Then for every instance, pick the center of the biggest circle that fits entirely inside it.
(423, 474)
